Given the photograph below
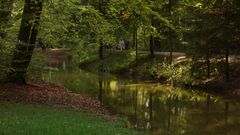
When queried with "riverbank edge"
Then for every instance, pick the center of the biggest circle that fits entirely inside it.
(39, 92)
(216, 84)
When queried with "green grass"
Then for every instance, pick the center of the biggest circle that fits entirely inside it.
(21, 119)
(114, 61)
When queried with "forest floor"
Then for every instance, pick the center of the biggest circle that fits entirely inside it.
(44, 93)
(218, 84)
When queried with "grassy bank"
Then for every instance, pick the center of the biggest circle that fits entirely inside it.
(124, 63)
(184, 70)
(21, 119)
(114, 61)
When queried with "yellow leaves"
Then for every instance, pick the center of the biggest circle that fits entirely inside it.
(125, 15)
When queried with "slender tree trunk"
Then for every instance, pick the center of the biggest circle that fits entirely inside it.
(101, 10)
(152, 55)
(101, 51)
(170, 34)
(171, 52)
(100, 82)
(227, 64)
(136, 43)
(133, 39)
(152, 44)
(208, 64)
(27, 38)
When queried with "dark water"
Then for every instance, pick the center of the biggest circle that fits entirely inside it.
(155, 108)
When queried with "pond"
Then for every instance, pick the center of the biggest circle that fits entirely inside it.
(152, 107)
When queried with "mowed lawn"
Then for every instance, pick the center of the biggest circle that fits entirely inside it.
(22, 119)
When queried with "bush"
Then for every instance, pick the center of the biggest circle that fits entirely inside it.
(6, 49)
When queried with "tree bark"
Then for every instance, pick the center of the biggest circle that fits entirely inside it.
(170, 34)
(227, 64)
(101, 10)
(101, 50)
(136, 45)
(152, 55)
(27, 37)
(208, 64)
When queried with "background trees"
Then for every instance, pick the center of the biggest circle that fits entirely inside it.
(27, 37)
(89, 27)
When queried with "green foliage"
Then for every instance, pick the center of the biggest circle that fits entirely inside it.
(6, 49)
(119, 62)
(175, 25)
(36, 66)
(171, 73)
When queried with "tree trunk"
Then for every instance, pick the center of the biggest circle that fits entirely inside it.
(227, 64)
(100, 83)
(152, 55)
(101, 50)
(170, 34)
(101, 10)
(208, 64)
(136, 45)
(171, 47)
(27, 38)
(133, 39)
(152, 44)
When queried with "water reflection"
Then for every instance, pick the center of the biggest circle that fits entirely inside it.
(156, 108)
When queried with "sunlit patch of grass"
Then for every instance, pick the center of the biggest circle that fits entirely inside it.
(21, 119)
(114, 61)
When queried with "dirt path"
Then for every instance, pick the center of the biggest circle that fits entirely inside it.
(55, 57)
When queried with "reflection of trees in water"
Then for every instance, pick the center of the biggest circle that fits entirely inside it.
(103, 86)
(226, 111)
(164, 111)
(157, 108)
(100, 85)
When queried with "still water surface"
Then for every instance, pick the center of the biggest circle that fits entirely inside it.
(155, 108)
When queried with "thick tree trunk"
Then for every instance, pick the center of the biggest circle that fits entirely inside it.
(27, 38)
